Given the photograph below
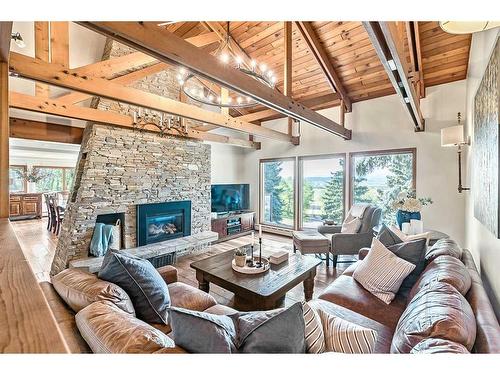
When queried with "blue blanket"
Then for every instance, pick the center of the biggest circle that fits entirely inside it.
(100, 239)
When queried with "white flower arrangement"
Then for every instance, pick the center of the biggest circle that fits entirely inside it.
(408, 201)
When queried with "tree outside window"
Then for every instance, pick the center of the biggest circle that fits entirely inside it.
(378, 178)
(16, 179)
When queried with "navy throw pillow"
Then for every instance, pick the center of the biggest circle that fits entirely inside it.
(142, 282)
(388, 237)
(413, 252)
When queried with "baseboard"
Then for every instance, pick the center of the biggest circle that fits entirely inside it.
(277, 230)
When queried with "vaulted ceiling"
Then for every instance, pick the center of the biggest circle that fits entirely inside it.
(444, 57)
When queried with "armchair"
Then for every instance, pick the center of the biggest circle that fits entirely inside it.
(351, 243)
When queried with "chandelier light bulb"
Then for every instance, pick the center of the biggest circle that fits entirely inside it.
(253, 64)
(229, 100)
(224, 58)
(211, 98)
(238, 60)
(263, 68)
(182, 71)
(218, 99)
(273, 80)
(239, 99)
(270, 73)
(181, 82)
(248, 99)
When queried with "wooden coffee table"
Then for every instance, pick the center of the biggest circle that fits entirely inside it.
(258, 292)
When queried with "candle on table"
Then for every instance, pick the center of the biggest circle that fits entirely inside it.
(253, 238)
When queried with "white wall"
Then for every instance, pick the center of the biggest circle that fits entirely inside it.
(380, 124)
(482, 243)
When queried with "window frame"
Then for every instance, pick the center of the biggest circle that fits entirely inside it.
(394, 151)
(64, 171)
(25, 184)
(300, 159)
(261, 192)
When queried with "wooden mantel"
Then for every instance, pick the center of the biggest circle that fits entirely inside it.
(26, 321)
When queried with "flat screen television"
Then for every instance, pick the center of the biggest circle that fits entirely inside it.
(230, 197)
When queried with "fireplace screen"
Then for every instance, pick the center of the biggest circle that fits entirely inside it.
(163, 227)
(158, 222)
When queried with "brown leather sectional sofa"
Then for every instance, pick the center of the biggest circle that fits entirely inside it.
(433, 317)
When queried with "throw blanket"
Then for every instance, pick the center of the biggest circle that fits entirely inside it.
(352, 222)
(101, 239)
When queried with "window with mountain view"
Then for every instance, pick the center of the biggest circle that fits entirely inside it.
(378, 177)
(321, 189)
(278, 192)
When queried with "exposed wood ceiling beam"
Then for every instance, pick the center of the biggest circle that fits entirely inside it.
(287, 67)
(45, 131)
(416, 68)
(53, 107)
(59, 43)
(321, 57)
(5, 38)
(56, 75)
(387, 39)
(4, 139)
(418, 47)
(149, 38)
(77, 97)
(42, 41)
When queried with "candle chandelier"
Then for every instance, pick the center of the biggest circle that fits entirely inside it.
(165, 123)
(194, 88)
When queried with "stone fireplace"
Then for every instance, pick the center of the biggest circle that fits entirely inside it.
(137, 175)
(157, 222)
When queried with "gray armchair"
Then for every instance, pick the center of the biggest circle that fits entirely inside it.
(351, 243)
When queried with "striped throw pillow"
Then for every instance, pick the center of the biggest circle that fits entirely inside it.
(382, 272)
(342, 336)
(315, 339)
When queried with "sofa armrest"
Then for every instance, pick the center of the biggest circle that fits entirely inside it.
(363, 253)
(350, 243)
(329, 229)
(168, 273)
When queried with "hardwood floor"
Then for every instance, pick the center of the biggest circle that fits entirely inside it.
(39, 247)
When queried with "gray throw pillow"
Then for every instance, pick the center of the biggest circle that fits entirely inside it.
(388, 237)
(276, 331)
(142, 282)
(413, 252)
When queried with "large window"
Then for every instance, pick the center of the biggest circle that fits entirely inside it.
(379, 176)
(277, 192)
(17, 183)
(321, 189)
(54, 179)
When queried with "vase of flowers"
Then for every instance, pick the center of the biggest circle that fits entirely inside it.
(409, 206)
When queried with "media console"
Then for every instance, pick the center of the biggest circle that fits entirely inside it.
(233, 225)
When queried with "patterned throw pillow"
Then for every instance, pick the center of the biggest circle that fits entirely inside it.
(382, 272)
(342, 336)
(315, 339)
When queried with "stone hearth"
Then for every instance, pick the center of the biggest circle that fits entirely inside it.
(121, 168)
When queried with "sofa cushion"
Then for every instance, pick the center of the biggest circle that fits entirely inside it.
(108, 329)
(382, 272)
(189, 297)
(274, 331)
(347, 292)
(384, 333)
(144, 285)
(315, 339)
(388, 237)
(443, 246)
(438, 310)
(438, 346)
(342, 336)
(446, 269)
(413, 252)
(79, 289)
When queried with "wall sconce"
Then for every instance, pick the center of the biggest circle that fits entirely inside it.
(454, 136)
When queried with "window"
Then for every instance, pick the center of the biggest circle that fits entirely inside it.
(321, 189)
(277, 192)
(54, 179)
(377, 177)
(17, 183)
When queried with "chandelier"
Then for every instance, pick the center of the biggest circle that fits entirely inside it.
(196, 89)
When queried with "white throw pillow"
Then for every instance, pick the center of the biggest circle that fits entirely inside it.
(410, 237)
(315, 340)
(382, 272)
(342, 336)
(351, 225)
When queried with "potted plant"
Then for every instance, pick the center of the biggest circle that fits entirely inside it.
(240, 257)
(409, 207)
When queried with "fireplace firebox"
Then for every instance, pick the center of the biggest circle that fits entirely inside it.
(157, 222)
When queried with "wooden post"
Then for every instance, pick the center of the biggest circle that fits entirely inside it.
(42, 53)
(342, 113)
(224, 95)
(287, 66)
(4, 140)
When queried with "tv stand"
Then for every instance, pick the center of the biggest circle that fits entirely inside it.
(231, 225)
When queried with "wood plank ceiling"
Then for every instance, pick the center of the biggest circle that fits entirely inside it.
(444, 57)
